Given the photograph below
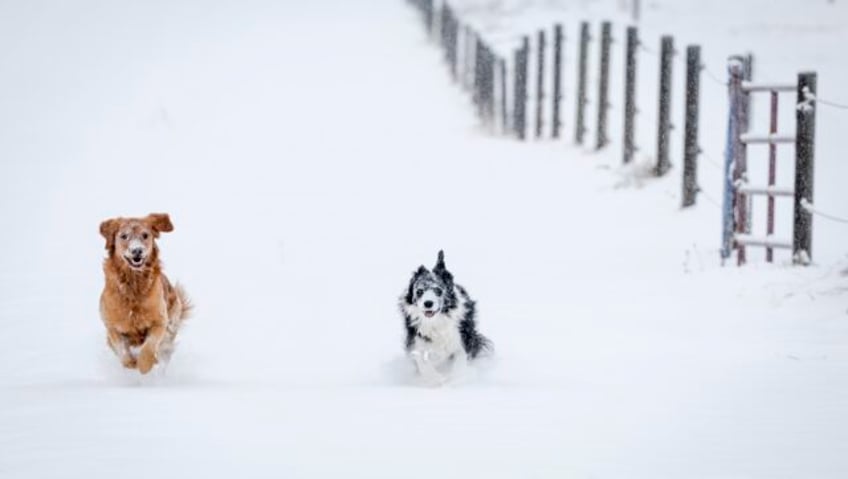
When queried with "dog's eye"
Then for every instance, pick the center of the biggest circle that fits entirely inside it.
(419, 292)
(124, 236)
(144, 236)
(438, 291)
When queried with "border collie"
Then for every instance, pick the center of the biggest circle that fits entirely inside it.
(439, 319)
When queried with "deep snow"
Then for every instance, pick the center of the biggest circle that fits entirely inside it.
(312, 155)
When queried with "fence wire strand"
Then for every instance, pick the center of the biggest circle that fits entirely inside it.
(647, 50)
(832, 104)
(712, 76)
(710, 199)
(710, 161)
(809, 208)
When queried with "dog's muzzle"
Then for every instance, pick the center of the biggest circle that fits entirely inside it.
(136, 261)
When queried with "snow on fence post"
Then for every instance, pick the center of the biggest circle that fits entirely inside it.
(504, 118)
(745, 125)
(690, 147)
(540, 80)
(664, 118)
(519, 111)
(580, 124)
(805, 135)
(557, 67)
(630, 92)
(603, 86)
(731, 223)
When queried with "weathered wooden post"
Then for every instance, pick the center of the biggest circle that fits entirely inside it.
(519, 111)
(557, 95)
(468, 76)
(454, 46)
(664, 117)
(601, 139)
(732, 146)
(580, 123)
(745, 126)
(477, 80)
(691, 150)
(630, 93)
(428, 16)
(805, 135)
(540, 81)
(504, 115)
(488, 85)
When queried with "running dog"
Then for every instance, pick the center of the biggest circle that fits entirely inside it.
(439, 317)
(142, 311)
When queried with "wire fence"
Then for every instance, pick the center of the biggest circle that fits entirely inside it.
(500, 90)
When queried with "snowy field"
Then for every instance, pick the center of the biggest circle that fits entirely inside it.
(312, 155)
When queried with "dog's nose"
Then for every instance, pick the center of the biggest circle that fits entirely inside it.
(136, 252)
(428, 304)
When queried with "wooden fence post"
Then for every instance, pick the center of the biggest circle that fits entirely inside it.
(580, 123)
(477, 80)
(691, 150)
(504, 114)
(805, 135)
(601, 139)
(732, 147)
(428, 17)
(664, 117)
(468, 77)
(519, 111)
(540, 81)
(453, 48)
(630, 93)
(557, 95)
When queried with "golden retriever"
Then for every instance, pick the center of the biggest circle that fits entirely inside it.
(141, 310)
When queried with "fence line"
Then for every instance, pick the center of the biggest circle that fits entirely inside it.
(479, 70)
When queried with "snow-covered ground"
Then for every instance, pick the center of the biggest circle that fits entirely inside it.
(312, 155)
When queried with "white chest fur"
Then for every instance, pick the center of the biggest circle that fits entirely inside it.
(441, 338)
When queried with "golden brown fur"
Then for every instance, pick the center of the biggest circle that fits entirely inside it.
(142, 311)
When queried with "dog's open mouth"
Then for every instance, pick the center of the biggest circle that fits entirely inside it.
(135, 262)
(429, 314)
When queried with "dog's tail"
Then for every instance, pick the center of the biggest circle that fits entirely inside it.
(186, 306)
(480, 346)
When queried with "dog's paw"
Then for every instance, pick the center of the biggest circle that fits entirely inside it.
(146, 360)
(128, 361)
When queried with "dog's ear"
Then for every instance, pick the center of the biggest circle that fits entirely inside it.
(159, 223)
(440, 262)
(421, 271)
(440, 270)
(108, 229)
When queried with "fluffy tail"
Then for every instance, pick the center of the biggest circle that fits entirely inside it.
(480, 346)
(187, 307)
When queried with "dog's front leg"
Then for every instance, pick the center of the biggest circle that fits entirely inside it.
(147, 356)
(428, 372)
(119, 346)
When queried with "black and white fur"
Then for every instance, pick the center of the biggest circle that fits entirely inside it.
(439, 317)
